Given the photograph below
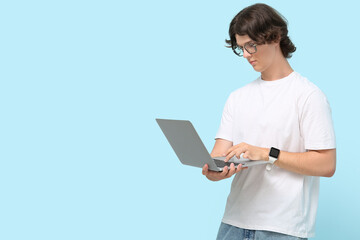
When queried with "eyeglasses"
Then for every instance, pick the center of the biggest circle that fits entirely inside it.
(249, 47)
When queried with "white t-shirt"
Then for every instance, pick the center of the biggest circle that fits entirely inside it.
(293, 115)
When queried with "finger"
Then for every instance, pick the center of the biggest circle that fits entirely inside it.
(246, 154)
(230, 150)
(238, 154)
(205, 170)
(224, 172)
(232, 170)
(238, 168)
(229, 156)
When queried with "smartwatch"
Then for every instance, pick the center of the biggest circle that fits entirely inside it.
(273, 156)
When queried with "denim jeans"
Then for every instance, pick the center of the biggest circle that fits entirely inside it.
(228, 232)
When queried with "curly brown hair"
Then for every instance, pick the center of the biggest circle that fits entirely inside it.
(262, 24)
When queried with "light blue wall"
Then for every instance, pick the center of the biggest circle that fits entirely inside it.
(81, 83)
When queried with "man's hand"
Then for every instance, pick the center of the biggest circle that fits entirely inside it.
(248, 151)
(226, 173)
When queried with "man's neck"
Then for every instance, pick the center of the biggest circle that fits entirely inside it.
(279, 69)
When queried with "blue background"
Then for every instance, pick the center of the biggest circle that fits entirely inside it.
(81, 83)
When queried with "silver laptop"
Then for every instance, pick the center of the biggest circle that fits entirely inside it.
(190, 150)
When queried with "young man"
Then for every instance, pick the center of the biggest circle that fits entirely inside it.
(280, 117)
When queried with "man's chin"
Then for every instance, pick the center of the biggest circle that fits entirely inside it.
(257, 69)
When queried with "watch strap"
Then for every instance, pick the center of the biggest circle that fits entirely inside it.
(272, 160)
(273, 156)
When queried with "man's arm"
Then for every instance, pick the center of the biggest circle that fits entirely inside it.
(221, 147)
(312, 163)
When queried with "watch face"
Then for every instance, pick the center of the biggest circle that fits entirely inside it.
(274, 152)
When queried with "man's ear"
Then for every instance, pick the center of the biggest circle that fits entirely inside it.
(276, 41)
(277, 38)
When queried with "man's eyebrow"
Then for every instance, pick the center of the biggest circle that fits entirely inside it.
(251, 41)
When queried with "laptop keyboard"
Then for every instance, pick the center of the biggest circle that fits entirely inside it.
(222, 164)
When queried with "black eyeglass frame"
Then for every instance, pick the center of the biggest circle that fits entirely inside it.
(245, 47)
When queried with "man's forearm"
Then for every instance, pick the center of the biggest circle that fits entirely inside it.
(311, 163)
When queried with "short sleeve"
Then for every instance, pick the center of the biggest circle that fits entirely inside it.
(316, 123)
(226, 126)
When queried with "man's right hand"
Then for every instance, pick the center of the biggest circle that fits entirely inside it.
(226, 173)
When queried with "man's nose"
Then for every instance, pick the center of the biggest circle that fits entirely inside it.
(246, 54)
